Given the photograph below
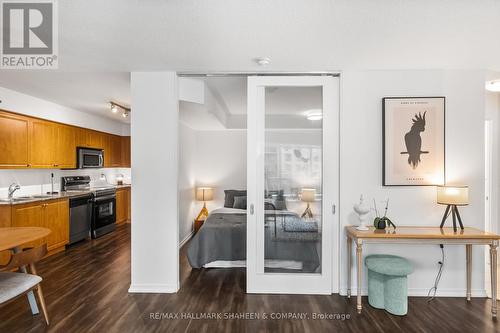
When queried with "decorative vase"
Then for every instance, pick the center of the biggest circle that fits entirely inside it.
(382, 223)
(362, 210)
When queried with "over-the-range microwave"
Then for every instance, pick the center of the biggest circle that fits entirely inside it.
(90, 158)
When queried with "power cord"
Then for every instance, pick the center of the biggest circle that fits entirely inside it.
(433, 290)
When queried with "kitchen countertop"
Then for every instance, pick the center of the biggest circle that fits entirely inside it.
(60, 195)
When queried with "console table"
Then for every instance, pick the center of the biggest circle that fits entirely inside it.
(423, 235)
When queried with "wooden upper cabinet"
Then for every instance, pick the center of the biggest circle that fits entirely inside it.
(89, 138)
(125, 151)
(43, 141)
(116, 150)
(112, 151)
(14, 133)
(66, 147)
(27, 142)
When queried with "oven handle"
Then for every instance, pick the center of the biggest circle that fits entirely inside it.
(98, 199)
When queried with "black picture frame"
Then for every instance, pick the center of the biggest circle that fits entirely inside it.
(385, 181)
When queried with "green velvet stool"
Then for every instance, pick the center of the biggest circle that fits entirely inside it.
(388, 283)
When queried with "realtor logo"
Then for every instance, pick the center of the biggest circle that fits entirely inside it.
(29, 34)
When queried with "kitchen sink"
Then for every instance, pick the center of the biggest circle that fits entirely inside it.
(15, 199)
(26, 198)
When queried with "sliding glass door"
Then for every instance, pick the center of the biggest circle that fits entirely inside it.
(292, 229)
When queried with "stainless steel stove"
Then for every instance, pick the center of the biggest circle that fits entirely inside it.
(103, 201)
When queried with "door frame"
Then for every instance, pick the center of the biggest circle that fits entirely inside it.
(300, 283)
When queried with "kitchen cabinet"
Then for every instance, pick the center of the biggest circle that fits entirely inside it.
(90, 139)
(125, 151)
(66, 147)
(28, 142)
(5, 221)
(53, 215)
(14, 148)
(112, 151)
(122, 205)
(43, 141)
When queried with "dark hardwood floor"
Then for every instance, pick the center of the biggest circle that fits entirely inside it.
(86, 291)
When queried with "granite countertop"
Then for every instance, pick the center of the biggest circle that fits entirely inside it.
(44, 197)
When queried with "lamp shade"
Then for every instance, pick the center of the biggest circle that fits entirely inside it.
(204, 194)
(453, 195)
(308, 194)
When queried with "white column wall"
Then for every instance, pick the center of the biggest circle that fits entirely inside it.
(154, 131)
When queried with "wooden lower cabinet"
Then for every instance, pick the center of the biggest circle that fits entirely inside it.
(123, 205)
(53, 215)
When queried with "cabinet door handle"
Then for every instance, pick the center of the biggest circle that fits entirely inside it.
(251, 209)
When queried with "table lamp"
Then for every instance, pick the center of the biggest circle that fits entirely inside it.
(204, 194)
(308, 195)
(452, 196)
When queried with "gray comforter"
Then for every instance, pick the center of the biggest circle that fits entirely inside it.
(223, 237)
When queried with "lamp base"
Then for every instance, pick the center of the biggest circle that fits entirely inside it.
(456, 216)
(308, 212)
(203, 212)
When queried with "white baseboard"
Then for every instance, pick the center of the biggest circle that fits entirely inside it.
(153, 288)
(422, 292)
(186, 239)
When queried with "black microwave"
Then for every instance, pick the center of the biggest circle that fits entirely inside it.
(90, 158)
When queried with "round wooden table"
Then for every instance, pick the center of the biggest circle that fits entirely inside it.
(13, 237)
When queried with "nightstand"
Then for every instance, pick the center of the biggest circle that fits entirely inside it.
(197, 225)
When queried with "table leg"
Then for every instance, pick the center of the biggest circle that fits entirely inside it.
(468, 259)
(359, 268)
(30, 294)
(349, 265)
(494, 267)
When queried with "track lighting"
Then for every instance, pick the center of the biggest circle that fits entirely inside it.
(115, 107)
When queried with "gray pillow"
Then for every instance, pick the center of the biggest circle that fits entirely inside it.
(240, 202)
(229, 197)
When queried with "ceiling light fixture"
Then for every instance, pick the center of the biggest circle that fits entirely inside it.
(115, 107)
(263, 61)
(493, 85)
(314, 115)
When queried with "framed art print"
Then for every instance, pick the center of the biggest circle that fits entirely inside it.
(413, 141)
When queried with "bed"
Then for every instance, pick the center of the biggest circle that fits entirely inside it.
(291, 244)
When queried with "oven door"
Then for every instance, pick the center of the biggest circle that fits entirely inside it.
(104, 211)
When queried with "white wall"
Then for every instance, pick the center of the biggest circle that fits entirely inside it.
(38, 181)
(21, 103)
(221, 163)
(187, 181)
(492, 107)
(361, 168)
(155, 235)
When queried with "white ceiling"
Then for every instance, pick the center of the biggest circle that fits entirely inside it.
(225, 105)
(126, 35)
(84, 91)
(100, 41)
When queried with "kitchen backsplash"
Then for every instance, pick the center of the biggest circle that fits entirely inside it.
(37, 181)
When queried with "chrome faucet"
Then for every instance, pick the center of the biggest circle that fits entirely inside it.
(13, 188)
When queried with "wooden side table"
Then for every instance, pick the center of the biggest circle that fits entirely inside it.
(197, 225)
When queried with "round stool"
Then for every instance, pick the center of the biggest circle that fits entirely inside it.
(388, 282)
